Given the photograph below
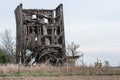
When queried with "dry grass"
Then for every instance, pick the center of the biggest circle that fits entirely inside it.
(63, 78)
(43, 70)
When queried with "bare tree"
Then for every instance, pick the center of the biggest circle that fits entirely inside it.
(8, 45)
(106, 64)
(72, 53)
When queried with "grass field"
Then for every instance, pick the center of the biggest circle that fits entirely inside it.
(43, 72)
(47, 69)
(114, 77)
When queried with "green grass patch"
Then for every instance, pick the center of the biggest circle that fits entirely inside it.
(28, 74)
(43, 74)
(36, 74)
(8, 75)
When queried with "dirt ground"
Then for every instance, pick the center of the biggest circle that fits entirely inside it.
(62, 78)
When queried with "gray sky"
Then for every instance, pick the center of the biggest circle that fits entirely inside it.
(93, 24)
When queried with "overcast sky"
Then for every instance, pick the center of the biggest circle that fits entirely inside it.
(93, 24)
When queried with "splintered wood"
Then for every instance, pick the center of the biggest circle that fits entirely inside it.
(40, 35)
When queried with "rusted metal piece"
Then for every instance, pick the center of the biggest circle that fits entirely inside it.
(40, 35)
